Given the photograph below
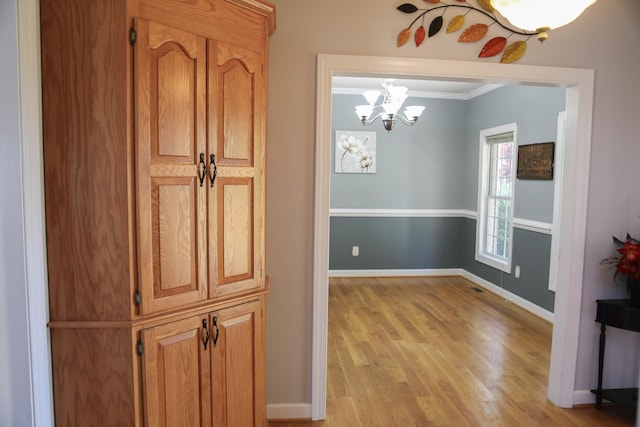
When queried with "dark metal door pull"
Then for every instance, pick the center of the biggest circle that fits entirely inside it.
(207, 334)
(204, 169)
(214, 169)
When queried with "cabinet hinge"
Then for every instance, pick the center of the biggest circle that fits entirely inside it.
(137, 297)
(139, 348)
(132, 36)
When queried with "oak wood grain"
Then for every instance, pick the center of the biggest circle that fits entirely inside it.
(176, 376)
(171, 134)
(93, 377)
(238, 367)
(237, 90)
(86, 158)
(215, 19)
(435, 351)
(124, 125)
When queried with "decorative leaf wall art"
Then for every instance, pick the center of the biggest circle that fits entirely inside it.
(470, 33)
(473, 33)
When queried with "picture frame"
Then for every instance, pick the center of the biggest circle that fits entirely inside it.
(355, 152)
(535, 161)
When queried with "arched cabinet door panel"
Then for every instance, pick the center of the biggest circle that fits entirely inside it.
(170, 89)
(236, 139)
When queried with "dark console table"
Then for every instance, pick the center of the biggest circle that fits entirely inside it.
(620, 314)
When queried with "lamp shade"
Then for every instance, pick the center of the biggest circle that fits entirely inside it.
(371, 96)
(413, 111)
(534, 15)
(364, 111)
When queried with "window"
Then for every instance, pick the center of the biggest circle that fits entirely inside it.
(494, 229)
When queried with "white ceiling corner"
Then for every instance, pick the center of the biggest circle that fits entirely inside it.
(420, 88)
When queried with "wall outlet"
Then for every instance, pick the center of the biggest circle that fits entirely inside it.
(517, 272)
(355, 251)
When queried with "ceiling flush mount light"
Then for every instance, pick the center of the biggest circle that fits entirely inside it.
(393, 98)
(526, 18)
(540, 16)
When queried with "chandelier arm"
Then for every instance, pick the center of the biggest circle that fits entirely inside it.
(366, 121)
(405, 120)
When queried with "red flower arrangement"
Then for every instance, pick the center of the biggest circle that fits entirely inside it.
(627, 262)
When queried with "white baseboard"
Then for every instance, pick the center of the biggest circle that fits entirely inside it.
(395, 273)
(289, 411)
(583, 397)
(519, 301)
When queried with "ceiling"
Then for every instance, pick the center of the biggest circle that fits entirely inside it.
(416, 88)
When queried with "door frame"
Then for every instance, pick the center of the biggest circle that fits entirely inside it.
(37, 309)
(573, 218)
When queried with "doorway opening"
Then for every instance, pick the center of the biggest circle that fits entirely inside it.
(571, 234)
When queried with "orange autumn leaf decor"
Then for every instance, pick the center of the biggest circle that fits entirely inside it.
(404, 36)
(471, 33)
(420, 35)
(474, 33)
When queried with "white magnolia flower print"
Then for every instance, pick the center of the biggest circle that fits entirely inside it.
(355, 152)
(356, 149)
(364, 160)
(351, 145)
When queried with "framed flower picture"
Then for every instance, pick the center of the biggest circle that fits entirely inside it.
(355, 152)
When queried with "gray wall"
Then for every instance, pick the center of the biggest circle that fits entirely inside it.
(413, 164)
(395, 243)
(428, 166)
(531, 253)
(416, 164)
(535, 110)
(439, 243)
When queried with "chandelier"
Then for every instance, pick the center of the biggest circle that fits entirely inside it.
(393, 98)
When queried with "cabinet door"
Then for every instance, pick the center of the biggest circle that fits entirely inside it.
(238, 367)
(176, 373)
(236, 139)
(170, 81)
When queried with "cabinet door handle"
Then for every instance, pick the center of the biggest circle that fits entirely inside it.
(217, 333)
(206, 333)
(202, 173)
(214, 169)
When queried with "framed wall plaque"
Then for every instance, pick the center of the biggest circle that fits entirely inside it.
(535, 161)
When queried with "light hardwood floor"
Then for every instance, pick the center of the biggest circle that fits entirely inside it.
(439, 351)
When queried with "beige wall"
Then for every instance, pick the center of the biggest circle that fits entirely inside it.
(606, 38)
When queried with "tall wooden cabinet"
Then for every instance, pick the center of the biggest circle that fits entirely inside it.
(154, 139)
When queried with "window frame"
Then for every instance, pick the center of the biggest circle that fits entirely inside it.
(484, 182)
